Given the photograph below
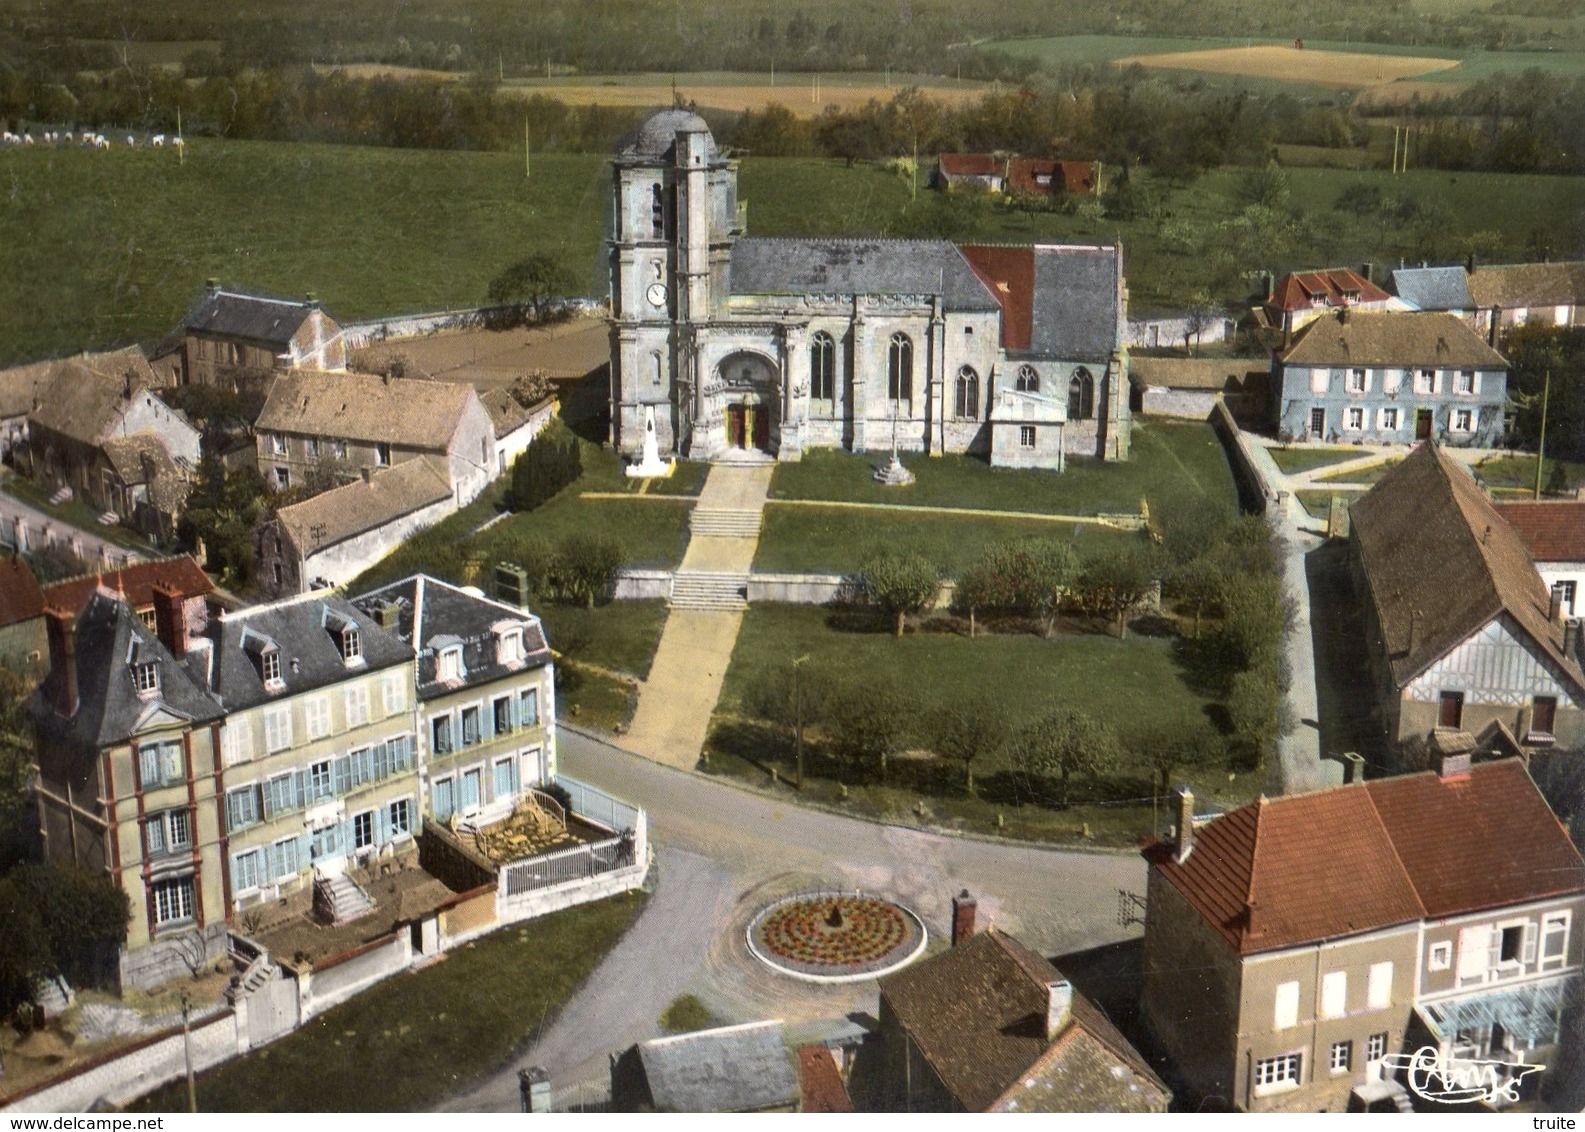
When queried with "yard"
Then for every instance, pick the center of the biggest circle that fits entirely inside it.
(1518, 473)
(1295, 460)
(1019, 675)
(411, 1041)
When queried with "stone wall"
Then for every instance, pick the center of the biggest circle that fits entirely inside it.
(319, 988)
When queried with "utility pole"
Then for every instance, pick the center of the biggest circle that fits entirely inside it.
(181, 148)
(528, 167)
(187, 1053)
(1540, 459)
(798, 718)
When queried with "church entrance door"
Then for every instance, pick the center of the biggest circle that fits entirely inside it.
(747, 426)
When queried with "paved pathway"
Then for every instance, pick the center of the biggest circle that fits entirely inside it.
(92, 548)
(677, 699)
(724, 852)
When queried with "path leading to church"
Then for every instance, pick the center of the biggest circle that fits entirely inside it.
(676, 701)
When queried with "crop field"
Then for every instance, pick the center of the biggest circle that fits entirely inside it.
(1345, 70)
(806, 95)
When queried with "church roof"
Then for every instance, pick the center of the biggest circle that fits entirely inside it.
(762, 266)
(655, 136)
(1058, 300)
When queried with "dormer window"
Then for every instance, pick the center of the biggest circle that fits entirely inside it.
(146, 677)
(509, 646)
(451, 663)
(351, 644)
(270, 666)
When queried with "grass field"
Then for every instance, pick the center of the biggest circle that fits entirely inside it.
(1292, 460)
(105, 248)
(1518, 472)
(1368, 475)
(416, 1039)
(1342, 69)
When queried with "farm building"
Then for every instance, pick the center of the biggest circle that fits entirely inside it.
(229, 333)
(1190, 387)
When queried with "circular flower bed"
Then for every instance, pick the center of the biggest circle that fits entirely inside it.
(835, 937)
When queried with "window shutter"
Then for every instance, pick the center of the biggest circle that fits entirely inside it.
(1474, 956)
(1287, 1012)
(341, 775)
(1477, 381)
(486, 723)
(456, 731)
(1529, 943)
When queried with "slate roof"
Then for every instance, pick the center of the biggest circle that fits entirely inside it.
(506, 415)
(820, 1083)
(764, 266)
(1397, 850)
(1429, 509)
(1433, 288)
(731, 1069)
(656, 135)
(109, 637)
(252, 317)
(1302, 291)
(1552, 531)
(135, 582)
(366, 408)
(447, 615)
(89, 393)
(365, 504)
(1392, 338)
(1527, 284)
(1057, 300)
(20, 596)
(977, 1014)
(305, 630)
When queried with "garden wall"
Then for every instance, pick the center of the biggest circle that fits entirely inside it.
(1254, 493)
(338, 979)
(376, 330)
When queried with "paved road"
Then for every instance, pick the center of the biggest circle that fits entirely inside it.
(91, 547)
(723, 852)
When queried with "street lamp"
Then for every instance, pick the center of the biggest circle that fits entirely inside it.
(798, 718)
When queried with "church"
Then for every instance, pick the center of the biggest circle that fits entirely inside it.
(757, 349)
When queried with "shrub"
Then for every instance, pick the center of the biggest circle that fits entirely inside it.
(585, 568)
(551, 462)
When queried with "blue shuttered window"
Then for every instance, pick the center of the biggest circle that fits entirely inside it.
(505, 778)
(443, 799)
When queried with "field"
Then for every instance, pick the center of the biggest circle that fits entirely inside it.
(807, 96)
(1345, 70)
(108, 248)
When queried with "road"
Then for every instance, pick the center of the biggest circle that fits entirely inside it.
(723, 852)
(91, 548)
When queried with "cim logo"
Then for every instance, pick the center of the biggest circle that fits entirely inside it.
(1445, 1079)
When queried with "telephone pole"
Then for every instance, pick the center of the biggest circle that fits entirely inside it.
(1540, 459)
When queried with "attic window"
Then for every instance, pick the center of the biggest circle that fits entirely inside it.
(146, 677)
(451, 663)
(509, 646)
(351, 644)
(270, 666)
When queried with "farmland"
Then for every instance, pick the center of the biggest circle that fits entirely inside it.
(1290, 63)
(109, 248)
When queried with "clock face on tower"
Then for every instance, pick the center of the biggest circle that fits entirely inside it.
(656, 294)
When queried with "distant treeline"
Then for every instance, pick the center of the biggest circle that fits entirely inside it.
(1175, 126)
(514, 37)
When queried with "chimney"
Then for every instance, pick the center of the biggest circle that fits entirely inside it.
(61, 627)
(311, 300)
(1416, 629)
(368, 473)
(170, 619)
(1571, 639)
(1185, 798)
(1469, 264)
(1554, 609)
(1271, 286)
(1367, 272)
(1454, 767)
(1059, 1003)
(963, 906)
(1353, 768)
(1342, 314)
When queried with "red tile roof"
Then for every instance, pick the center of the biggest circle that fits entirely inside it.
(1339, 287)
(971, 165)
(1281, 872)
(1553, 532)
(1040, 175)
(137, 582)
(820, 1083)
(20, 596)
(1009, 272)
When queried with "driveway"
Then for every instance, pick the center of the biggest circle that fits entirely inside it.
(723, 852)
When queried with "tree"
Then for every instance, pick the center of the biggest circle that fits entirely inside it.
(1064, 743)
(55, 562)
(552, 460)
(1203, 313)
(532, 288)
(896, 583)
(1198, 586)
(586, 567)
(56, 921)
(1114, 584)
(18, 818)
(221, 513)
(1192, 744)
(1029, 576)
(1266, 187)
(1254, 707)
(868, 723)
(964, 731)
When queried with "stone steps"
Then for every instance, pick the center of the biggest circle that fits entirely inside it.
(724, 522)
(709, 590)
(339, 900)
(60, 495)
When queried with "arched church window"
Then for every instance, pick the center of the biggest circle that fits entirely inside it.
(900, 372)
(968, 393)
(1081, 396)
(1028, 380)
(657, 372)
(657, 211)
(822, 367)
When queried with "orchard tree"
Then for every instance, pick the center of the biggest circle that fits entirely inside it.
(532, 288)
(965, 731)
(1116, 583)
(586, 566)
(1064, 743)
(896, 583)
(868, 723)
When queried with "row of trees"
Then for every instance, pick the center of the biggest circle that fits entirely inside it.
(552, 460)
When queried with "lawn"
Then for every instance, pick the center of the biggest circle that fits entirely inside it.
(1518, 472)
(620, 636)
(1365, 476)
(106, 248)
(1318, 504)
(1295, 460)
(414, 1040)
(1021, 676)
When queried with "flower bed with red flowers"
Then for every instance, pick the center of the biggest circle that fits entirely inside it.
(835, 934)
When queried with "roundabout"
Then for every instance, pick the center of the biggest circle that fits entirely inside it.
(835, 937)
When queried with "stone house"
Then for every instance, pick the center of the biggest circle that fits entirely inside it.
(756, 349)
(486, 691)
(129, 778)
(1466, 643)
(22, 389)
(1389, 377)
(330, 538)
(1301, 297)
(1525, 294)
(989, 1026)
(1190, 387)
(314, 423)
(109, 438)
(515, 426)
(230, 332)
(1296, 946)
(1553, 531)
(985, 172)
(318, 752)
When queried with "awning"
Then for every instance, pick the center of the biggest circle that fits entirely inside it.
(1529, 1013)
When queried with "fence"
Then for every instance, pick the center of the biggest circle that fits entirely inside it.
(599, 807)
(581, 862)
